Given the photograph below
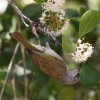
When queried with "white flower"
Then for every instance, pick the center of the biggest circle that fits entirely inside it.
(42, 18)
(91, 94)
(65, 26)
(3, 6)
(53, 16)
(53, 5)
(82, 53)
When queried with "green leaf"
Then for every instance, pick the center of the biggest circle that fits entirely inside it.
(33, 11)
(67, 93)
(39, 1)
(88, 22)
(77, 19)
(89, 76)
(2, 74)
(70, 13)
(67, 43)
(82, 10)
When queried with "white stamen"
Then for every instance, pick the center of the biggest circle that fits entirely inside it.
(54, 16)
(82, 53)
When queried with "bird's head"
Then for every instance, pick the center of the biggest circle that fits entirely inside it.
(72, 77)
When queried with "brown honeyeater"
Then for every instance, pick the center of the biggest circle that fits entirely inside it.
(48, 61)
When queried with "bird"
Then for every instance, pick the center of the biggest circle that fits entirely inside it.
(48, 61)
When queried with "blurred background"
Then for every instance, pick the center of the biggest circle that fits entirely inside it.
(41, 86)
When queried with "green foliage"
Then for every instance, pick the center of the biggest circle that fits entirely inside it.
(2, 74)
(41, 86)
(67, 43)
(88, 22)
(67, 93)
(86, 72)
(34, 11)
(40, 1)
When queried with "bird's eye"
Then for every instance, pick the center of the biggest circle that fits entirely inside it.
(77, 76)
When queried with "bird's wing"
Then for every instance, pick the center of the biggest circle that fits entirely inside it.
(50, 65)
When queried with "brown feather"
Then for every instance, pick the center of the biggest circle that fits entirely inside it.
(49, 64)
(53, 67)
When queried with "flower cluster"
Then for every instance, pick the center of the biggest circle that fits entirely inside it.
(54, 16)
(53, 5)
(82, 53)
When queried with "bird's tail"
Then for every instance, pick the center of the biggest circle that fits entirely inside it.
(18, 37)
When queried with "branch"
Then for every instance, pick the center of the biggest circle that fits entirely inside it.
(34, 25)
(20, 14)
(14, 86)
(9, 70)
(25, 76)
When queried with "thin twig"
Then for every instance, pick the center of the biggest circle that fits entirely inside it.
(14, 86)
(25, 76)
(24, 18)
(34, 25)
(9, 70)
(20, 14)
